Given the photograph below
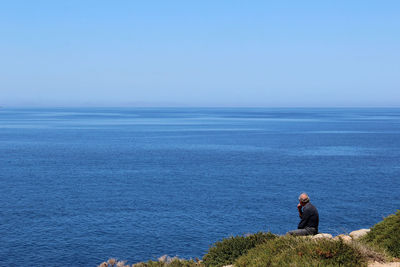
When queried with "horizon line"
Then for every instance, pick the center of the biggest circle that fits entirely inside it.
(195, 106)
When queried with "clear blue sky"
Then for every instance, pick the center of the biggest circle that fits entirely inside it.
(200, 53)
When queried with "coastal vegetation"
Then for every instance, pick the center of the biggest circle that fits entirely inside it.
(229, 249)
(296, 251)
(380, 244)
(386, 235)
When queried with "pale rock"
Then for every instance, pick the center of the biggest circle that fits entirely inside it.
(359, 233)
(322, 236)
(163, 258)
(346, 239)
(384, 264)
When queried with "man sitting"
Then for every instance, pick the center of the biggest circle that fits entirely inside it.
(308, 224)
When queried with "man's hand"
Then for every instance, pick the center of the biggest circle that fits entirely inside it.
(299, 209)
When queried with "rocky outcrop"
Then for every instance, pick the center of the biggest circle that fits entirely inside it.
(346, 238)
(359, 233)
(322, 236)
(386, 264)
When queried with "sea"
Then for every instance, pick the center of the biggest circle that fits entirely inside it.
(81, 185)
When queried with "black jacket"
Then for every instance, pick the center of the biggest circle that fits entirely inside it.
(309, 218)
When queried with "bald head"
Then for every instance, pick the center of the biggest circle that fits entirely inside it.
(303, 198)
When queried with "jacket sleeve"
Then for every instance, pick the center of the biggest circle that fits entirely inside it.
(304, 219)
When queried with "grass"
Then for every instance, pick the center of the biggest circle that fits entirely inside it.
(172, 263)
(386, 235)
(382, 243)
(225, 252)
(298, 251)
(165, 262)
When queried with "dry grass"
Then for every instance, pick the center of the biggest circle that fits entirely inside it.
(370, 253)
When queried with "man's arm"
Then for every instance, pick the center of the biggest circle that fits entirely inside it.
(299, 208)
(305, 216)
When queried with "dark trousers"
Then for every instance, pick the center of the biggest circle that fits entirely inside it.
(305, 231)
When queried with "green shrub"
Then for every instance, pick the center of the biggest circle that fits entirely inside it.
(228, 250)
(299, 251)
(386, 235)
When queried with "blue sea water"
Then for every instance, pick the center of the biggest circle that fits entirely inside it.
(81, 185)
